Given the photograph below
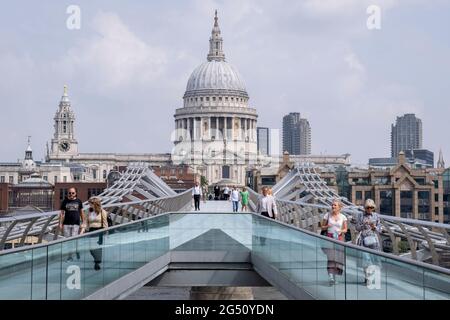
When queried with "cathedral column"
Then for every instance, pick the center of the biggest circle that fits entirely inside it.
(198, 125)
(232, 128)
(194, 131)
(183, 129)
(176, 130)
(188, 127)
(225, 133)
(245, 128)
(209, 128)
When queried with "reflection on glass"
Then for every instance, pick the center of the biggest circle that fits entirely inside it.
(67, 269)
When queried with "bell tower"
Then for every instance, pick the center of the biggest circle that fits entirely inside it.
(64, 146)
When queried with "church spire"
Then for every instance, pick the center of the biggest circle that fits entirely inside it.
(29, 151)
(441, 164)
(65, 97)
(28, 163)
(216, 43)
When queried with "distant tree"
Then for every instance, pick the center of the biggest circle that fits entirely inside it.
(203, 181)
(403, 246)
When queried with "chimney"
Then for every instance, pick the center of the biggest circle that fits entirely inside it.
(401, 158)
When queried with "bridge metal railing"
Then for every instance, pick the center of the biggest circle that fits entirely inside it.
(431, 237)
(45, 226)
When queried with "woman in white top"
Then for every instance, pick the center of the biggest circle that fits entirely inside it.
(336, 225)
(96, 219)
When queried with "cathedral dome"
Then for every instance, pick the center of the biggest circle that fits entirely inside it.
(216, 77)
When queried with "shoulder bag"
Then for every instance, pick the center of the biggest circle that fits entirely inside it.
(324, 232)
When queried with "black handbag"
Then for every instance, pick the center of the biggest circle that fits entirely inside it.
(324, 231)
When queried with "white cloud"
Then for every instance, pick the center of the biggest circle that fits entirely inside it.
(312, 56)
(354, 63)
(344, 7)
(114, 57)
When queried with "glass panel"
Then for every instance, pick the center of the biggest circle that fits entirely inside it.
(15, 275)
(210, 232)
(70, 270)
(90, 278)
(322, 268)
(437, 285)
(308, 261)
(363, 265)
(404, 281)
(54, 265)
(39, 274)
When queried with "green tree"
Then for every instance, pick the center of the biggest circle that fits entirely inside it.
(403, 246)
(203, 181)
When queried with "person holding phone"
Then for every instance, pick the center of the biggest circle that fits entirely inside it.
(369, 225)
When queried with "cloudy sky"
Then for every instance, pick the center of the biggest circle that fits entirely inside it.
(128, 65)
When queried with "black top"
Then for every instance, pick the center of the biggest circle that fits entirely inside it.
(71, 211)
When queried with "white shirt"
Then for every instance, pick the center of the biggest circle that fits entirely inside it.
(335, 223)
(264, 204)
(196, 191)
(226, 190)
(234, 195)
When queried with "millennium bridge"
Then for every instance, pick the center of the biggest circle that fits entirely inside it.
(156, 240)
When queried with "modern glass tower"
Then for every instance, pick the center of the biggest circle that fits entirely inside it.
(296, 134)
(406, 134)
(263, 140)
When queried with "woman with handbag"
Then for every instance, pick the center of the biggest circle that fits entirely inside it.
(335, 226)
(369, 226)
(96, 219)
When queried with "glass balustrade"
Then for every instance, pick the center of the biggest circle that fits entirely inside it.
(65, 269)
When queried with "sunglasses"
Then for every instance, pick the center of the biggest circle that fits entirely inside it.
(72, 193)
(370, 208)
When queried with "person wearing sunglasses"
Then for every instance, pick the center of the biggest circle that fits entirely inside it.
(71, 216)
(96, 219)
(369, 225)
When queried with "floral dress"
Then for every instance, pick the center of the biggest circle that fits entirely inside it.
(363, 222)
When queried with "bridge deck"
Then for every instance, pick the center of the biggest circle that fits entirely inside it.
(216, 206)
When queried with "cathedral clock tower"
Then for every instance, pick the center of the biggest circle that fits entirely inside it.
(64, 146)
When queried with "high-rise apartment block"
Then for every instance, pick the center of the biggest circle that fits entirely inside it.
(406, 134)
(296, 134)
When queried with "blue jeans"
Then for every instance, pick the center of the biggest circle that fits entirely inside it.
(235, 206)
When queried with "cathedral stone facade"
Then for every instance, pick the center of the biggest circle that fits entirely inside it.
(214, 135)
(215, 130)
